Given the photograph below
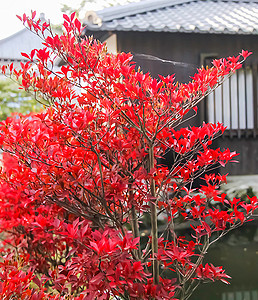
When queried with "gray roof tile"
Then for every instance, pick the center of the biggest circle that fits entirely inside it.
(199, 16)
(22, 41)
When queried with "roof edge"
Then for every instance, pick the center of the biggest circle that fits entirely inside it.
(10, 37)
(116, 12)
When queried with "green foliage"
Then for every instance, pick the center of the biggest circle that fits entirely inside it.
(15, 100)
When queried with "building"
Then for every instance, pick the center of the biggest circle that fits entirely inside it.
(177, 36)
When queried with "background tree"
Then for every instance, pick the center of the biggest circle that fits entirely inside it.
(15, 100)
(78, 178)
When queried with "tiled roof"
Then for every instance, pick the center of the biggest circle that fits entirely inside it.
(22, 41)
(199, 16)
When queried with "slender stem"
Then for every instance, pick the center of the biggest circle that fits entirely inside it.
(154, 221)
(135, 228)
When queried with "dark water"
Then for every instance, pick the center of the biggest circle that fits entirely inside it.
(238, 254)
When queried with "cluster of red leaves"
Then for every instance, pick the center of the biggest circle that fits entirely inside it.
(15, 280)
(211, 273)
(77, 177)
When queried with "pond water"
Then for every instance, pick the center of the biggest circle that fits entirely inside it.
(238, 254)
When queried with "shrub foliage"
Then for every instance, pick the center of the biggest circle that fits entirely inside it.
(78, 178)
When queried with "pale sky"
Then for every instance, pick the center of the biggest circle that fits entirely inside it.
(10, 24)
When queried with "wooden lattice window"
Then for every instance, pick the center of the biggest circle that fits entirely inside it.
(235, 102)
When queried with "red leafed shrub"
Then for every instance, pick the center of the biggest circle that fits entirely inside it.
(79, 178)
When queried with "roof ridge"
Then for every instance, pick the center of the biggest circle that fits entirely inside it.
(117, 12)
